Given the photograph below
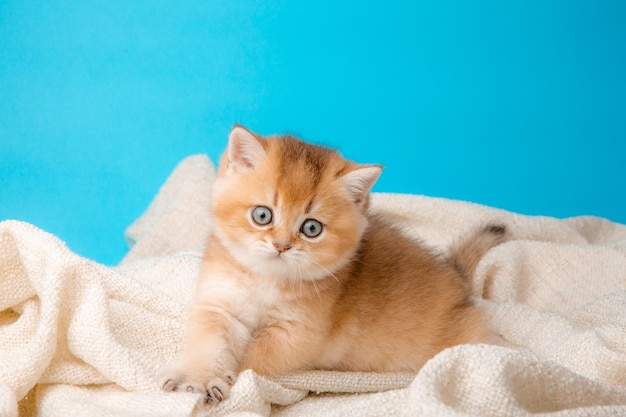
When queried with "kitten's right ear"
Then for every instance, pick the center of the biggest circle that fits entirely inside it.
(359, 182)
(244, 150)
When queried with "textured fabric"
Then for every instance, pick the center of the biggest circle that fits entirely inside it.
(78, 338)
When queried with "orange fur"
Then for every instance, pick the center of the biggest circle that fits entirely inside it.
(359, 297)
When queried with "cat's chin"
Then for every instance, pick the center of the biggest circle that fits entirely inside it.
(276, 267)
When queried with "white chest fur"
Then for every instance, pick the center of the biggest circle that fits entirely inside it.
(254, 301)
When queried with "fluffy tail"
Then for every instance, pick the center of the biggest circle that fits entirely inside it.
(466, 253)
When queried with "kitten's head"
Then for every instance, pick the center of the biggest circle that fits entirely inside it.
(287, 209)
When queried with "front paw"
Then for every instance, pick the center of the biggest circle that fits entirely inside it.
(213, 385)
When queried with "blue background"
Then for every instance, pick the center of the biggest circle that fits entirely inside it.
(519, 105)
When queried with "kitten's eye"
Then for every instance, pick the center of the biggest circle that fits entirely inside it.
(311, 228)
(262, 215)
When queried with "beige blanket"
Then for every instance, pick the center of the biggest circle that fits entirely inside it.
(81, 339)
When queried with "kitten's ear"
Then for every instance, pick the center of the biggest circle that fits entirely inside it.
(244, 149)
(359, 182)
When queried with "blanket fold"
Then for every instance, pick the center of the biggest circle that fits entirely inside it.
(80, 338)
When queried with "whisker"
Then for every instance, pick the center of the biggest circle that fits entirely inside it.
(317, 291)
(323, 268)
(313, 283)
(292, 283)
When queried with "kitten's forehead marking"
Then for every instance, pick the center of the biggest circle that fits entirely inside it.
(302, 166)
(303, 158)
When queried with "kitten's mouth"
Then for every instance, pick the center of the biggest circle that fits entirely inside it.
(280, 253)
(277, 256)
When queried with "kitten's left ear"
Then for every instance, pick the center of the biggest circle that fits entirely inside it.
(244, 149)
(359, 182)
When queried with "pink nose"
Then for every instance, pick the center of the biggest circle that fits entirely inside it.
(281, 246)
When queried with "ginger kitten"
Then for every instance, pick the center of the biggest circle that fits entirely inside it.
(298, 276)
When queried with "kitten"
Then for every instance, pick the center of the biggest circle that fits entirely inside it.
(298, 276)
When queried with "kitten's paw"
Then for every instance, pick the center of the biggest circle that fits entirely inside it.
(213, 386)
(218, 389)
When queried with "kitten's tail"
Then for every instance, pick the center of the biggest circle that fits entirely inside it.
(467, 252)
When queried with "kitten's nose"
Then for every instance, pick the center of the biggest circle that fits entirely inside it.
(281, 246)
